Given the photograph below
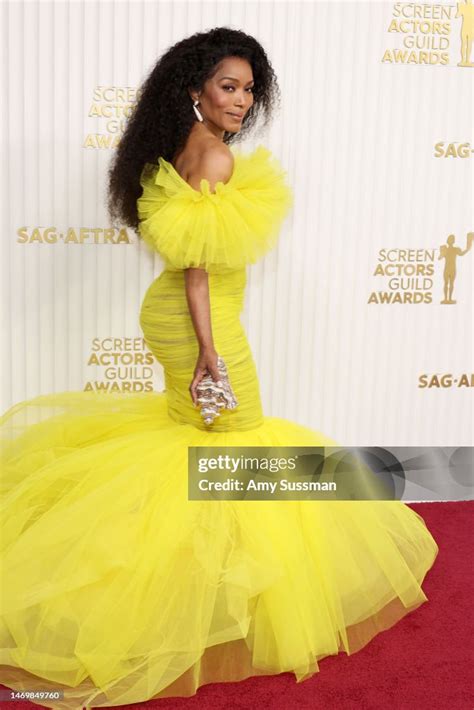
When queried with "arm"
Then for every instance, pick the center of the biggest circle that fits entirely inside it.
(197, 296)
(215, 166)
(469, 238)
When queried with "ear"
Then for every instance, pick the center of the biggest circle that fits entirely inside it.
(193, 94)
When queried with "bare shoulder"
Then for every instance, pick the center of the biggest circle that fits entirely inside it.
(215, 164)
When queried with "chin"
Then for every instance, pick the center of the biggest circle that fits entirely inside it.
(232, 128)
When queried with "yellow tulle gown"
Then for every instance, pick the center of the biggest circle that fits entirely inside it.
(115, 587)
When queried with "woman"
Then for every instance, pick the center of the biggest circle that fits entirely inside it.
(117, 587)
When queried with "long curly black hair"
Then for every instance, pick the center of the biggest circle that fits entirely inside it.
(163, 115)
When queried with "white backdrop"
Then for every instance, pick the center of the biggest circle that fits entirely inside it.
(375, 131)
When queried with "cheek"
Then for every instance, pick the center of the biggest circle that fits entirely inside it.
(218, 98)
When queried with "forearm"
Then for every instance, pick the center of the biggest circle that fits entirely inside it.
(197, 296)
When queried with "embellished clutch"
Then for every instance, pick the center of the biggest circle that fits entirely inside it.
(213, 396)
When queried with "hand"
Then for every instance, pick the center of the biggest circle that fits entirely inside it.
(206, 365)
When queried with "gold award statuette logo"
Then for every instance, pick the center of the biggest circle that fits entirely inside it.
(450, 253)
(425, 32)
(409, 273)
(466, 11)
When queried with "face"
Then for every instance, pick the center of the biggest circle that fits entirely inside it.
(227, 96)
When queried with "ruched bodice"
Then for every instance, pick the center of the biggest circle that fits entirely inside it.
(169, 334)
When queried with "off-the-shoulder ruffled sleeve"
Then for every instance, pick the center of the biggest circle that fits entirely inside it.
(227, 229)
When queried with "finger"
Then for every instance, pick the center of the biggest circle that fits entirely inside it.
(192, 391)
(194, 395)
(193, 388)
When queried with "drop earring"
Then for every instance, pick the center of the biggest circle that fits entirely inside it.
(196, 111)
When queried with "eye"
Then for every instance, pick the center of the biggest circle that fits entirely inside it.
(229, 86)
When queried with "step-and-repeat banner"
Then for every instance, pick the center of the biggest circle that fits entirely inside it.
(360, 320)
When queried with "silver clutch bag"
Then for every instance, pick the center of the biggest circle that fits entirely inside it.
(212, 397)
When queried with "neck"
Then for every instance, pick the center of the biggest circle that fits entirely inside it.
(207, 128)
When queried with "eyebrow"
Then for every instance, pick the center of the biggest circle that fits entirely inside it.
(235, 79)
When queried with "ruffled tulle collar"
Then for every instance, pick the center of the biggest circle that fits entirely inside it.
(259, 155)
(221, 230)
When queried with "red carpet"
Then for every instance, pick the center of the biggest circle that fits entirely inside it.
(425, 662)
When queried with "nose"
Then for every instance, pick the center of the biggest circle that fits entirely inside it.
(240, 98)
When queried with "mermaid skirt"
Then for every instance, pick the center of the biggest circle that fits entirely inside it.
(117, 589)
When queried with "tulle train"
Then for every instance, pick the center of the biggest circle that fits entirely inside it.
(118, 589)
